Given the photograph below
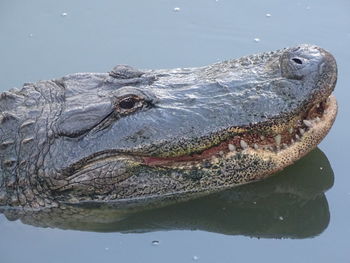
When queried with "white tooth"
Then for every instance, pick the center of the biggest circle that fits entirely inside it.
(290, 130)
(297, 136)
(231, 147)
(262, 137)
(278, 139)
(307, 123)
(255, 146)
(318, 119)
(243, 144)
(284, 146)
(221, 153)
(302, 131)
(292, 141)
(318, 105)
(214, 160)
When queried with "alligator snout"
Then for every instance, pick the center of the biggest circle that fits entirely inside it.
(313, 66)
(306, 61)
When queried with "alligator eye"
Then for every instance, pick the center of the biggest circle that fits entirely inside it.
(297, 60)
(127, 103)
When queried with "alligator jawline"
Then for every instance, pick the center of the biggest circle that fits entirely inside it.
(239, 143)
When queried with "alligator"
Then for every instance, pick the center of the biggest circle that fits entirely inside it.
(141, 136)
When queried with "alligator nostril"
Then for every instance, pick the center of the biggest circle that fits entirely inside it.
(297, 60)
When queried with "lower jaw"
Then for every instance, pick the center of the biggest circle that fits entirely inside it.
(281, 154)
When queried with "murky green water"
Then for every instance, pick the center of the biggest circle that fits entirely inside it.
(302, 215)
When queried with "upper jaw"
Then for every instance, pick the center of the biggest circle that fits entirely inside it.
(283, 131)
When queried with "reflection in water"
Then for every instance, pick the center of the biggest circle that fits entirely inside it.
(291, 204)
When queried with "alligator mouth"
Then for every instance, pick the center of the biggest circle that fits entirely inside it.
(297, 137)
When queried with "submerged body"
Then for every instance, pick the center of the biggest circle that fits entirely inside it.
(133, 135)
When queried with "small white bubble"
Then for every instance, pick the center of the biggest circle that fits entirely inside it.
(281, 218)
(256, 40)
(31, 35)
(177, 9)
(64, 14)
(195, 258)
(155, 243)
(308, 7)
(254, 203)
(321, 168)
(268, 15)
(106, 248)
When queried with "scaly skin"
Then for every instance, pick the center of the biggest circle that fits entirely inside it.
(130, 135)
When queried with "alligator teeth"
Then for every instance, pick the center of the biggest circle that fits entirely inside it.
(307, 123)
(290, 130)
(284, 146)
(231, 147)
(292, 141)
(214, 160)
(302, 131)
(297, 136)
(255, 146)
(317, 119)
(262, 137)
(278, 139)
(243, 144)
(221, 153)
(318, 105)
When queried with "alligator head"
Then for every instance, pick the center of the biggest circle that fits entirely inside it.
(131, 135)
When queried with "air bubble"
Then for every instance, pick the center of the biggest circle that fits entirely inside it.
(155, 243)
